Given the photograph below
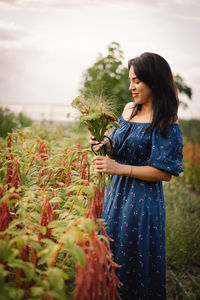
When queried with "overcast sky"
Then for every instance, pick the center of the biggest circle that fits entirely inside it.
(46, 45)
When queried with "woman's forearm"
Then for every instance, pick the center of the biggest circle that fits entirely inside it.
(146, 173)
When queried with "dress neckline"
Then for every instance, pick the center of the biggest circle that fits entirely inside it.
(147, 123)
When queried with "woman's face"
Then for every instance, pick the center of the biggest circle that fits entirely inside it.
(141, 92)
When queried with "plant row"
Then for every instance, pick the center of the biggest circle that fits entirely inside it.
(52, 241)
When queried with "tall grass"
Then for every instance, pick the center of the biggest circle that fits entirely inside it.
(182, 224)
(182, 240)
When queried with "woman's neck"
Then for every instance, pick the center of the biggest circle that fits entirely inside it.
(144, 115)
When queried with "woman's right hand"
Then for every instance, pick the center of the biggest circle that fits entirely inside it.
(97, 146)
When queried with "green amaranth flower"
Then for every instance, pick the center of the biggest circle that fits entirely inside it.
(97, 115)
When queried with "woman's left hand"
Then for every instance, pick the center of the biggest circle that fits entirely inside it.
(106, 165)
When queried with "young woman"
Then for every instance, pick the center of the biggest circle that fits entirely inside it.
(146, 150)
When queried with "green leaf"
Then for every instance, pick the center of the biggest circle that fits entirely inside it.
(69, 240)
(57, 223)
(3, 272)
(79, 255)
(87, 224)
(11, 190)
(95, 116)
(35, 216)
(14, 223)
(56, 200)
(15, 294)
(86, 190)
(65, 275)
(27, 267)
(43, 230)
(35, 245)
(7, 253)
(20, 240)
(55, 276)
(5, 197)
(36, 291)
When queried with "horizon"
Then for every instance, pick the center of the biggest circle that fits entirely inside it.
(53, 112)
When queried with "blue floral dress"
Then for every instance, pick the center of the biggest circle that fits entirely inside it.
(134, 209)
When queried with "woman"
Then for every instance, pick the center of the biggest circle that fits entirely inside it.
(147, 149)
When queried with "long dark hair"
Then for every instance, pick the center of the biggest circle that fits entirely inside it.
(154, 70)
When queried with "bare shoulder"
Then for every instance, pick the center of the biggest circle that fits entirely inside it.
(129, 105)
(176, 122)
(127, 110)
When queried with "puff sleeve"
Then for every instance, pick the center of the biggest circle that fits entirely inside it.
(115, 136)
(167, 153)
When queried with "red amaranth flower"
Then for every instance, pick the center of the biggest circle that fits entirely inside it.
(95, 206)
(46, 218)
(109, 117)
(97, 280)
(13, 177)
(42, 150)
(9, 169)
(9, 142)
(2, 190)
(24, 255)
(4, 216)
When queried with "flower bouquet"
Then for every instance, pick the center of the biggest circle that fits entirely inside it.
(97, 113)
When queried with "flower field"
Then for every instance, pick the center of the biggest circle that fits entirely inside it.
(52, 242)
(191, 155)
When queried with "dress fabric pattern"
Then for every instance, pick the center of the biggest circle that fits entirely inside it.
(134, 210)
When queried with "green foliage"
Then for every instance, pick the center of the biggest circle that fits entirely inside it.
(190, 130)
(10, 121)
(43, 205)
(191, 152)
(176, 289)
(182, 224)
(191, 175)
(24, 120)
(182, 240)
(183, 88)
(108, 76)
(26, 229)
